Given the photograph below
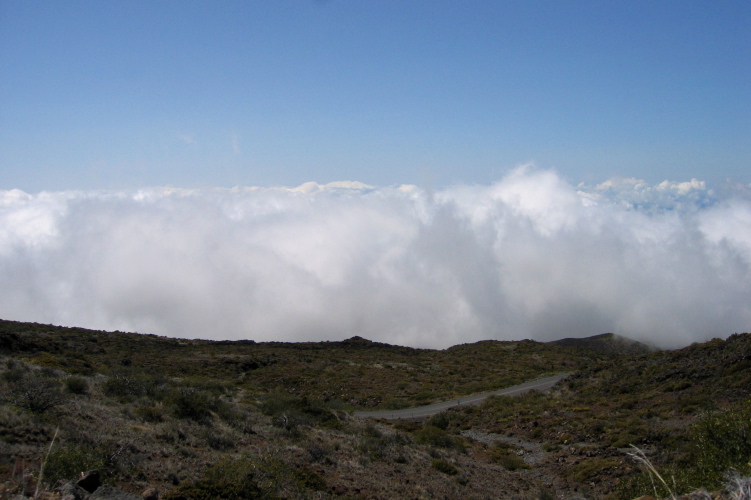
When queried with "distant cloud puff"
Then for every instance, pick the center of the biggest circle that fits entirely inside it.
(530, 256)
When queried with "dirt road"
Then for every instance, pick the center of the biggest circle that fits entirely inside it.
(421, 412)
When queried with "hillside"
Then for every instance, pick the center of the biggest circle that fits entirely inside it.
(608, 343)
(355, 373)
(685, 408)
(170, 418)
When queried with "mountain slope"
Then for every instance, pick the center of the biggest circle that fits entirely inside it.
(654, 401)
(184, 416)
(609, 343)
(356, 372)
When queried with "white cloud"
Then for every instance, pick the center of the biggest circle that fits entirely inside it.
(527, 257)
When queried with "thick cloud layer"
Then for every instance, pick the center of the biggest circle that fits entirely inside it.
(528, 257)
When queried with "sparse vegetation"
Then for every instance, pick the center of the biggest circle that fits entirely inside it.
(228, 479)
(68, 460)
(443, 466)
(77, 385)
(716, 445)
(199, 419)
(506, 455)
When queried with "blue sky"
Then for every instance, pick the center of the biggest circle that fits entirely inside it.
(122, 95)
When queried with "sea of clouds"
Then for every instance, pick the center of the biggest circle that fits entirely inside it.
(530, 256)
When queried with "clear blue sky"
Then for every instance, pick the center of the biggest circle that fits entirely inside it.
(125, 94)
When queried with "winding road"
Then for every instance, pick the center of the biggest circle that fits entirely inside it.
(421, 412)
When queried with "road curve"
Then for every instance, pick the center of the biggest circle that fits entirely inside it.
(421, 412)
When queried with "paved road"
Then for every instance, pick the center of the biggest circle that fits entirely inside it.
(430, 410)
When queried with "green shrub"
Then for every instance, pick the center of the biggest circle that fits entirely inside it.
(723, 441)
(36, 393)
(226, 480)
(317, 452)
(439, 438)
(251, 478)
(424, 397)
(441, 420)
(309, 479)
(508, 459)
(536, 433)
(291, 412)
(150, 414)
(716, 444)
(444, 466)
(237, 417)
(587, 469)
(77, 385)
(566, 438)
(124, 386)
(15, 372)
(549, 448)
(379, 446)
(375, 448)
(127, 384)
(546, 494)
(371, 431)
(67, 461)
(121, 386)
(201, 405)
(510, 462)
(190, 403)
(219, 440)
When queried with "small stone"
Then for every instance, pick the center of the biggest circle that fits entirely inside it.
(150, 494)
(70, 491)
(339, 489)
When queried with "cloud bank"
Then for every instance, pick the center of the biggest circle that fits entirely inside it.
(530, 256)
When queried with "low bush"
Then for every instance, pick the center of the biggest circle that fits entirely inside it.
(371, 430)
(127, 384)
(375, 448)
(433, 436)
(510, 461)
(251, 478)
(506, 456)
(441, 420)
(219, 440)
(587, 469)
(317, 452)
(15, 371)
(713, 447)
(308, 479)
(77, 385)
(193, 404)
(377, 445)
(36, 393)
(444, 466)
(237, 417)
(550, 448)
(67, 461)
(228, 479)
(290, 412)
(150, 414)
(723, 441)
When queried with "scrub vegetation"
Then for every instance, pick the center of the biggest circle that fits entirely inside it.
(194, 419)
